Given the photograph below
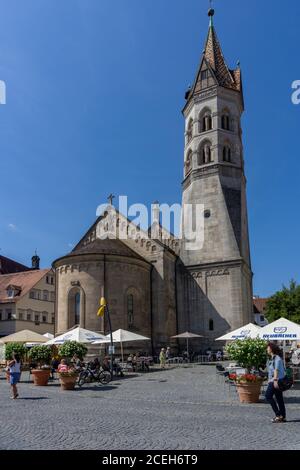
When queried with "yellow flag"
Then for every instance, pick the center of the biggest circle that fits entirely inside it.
(101, 310)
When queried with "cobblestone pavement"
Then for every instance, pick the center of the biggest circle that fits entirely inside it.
(180, 408)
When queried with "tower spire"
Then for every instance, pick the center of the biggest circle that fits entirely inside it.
(211, 13)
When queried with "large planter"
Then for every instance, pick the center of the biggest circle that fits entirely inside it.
(249, 392)
(40, 376)
(68, 382)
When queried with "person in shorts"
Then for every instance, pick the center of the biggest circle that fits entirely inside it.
(15, 374)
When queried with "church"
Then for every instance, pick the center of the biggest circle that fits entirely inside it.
(156, 286)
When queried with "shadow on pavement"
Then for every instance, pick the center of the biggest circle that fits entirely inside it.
(32, 398)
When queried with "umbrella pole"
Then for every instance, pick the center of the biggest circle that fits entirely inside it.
(122, 352)
(187, 349)
(111, 343)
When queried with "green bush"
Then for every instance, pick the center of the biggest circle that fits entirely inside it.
(70, 348)
(17, 348)
(41, 354)
(248, 352)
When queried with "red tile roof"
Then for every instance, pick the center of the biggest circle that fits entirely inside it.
(25, 280)
(259, 304)
(8, 266)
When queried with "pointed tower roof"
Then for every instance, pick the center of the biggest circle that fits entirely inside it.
(214, 66)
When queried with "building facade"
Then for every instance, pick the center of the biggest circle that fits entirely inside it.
(27, 301)
(157, 286)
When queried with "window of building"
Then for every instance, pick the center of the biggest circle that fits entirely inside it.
(52, 280)
(45, 295)
(130, 310)
(0, 315)
(225, 121)
(10, 293)
(188, 162)
(77, 308)
(226, 153)
(9, 314)
(53, 318)
(190, 130)
(38, 295)
(205, 154)
(20, 316)
(52, 296)
(28, 316)
(36, 317)
(31, 294)
(44, 318)
(211, 325)
(207, 214)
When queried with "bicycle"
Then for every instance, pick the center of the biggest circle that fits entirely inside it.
(89, 375)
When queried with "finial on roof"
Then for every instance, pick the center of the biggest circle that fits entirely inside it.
(211, 13)
(238, 63)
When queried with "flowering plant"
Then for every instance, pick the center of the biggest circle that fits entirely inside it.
(245, 378)
(69, 373)
(248, 352)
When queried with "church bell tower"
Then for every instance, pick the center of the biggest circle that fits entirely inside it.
(219, 292)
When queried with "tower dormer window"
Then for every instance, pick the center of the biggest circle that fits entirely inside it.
(205, 154)
(226, 153)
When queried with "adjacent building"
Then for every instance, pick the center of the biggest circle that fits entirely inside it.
(27, 301)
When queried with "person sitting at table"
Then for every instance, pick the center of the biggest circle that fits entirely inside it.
(54, 366)
(106, 364)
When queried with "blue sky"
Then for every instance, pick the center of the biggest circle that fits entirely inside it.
(95, 90)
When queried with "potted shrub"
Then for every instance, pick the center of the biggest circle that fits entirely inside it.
(68, 350)
(250, 354)
(41, 354)
(10, 350)
(68, 379)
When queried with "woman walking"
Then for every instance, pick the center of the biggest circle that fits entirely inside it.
(162, 358)
(276, 372)
(15, 374)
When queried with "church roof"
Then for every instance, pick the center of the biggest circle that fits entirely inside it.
(107, 246)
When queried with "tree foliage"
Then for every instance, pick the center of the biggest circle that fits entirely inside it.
(41, 354)
(15, 348)
(71, 348)
(285, 303)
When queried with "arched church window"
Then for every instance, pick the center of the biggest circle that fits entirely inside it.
(225, 121)
(211, 325)
(205, 154)
(205, 120)
(190, 130)
(188, 162)
(77, 308)
(226, 153)
(130, 312)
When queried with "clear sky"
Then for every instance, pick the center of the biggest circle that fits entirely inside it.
(95, 90)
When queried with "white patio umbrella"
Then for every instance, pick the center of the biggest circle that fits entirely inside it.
(187, 335)
(248, 331)
(49, 335)
(77, 334)
(281, 330)
(122, 336)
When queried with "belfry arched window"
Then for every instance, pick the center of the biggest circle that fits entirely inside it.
(225, 120)
(226, 153)
(205, 120)
(189, 132)
(188, 162)
(205, 153)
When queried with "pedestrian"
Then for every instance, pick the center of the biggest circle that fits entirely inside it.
(276, 372)
(162, 358)
(168, 355)
(15, 374)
